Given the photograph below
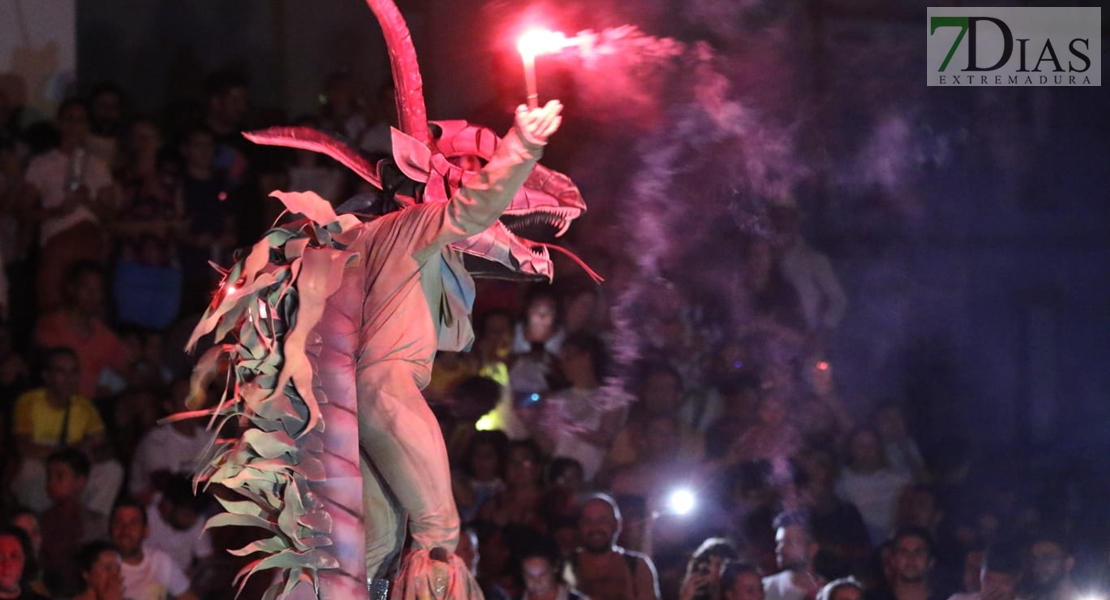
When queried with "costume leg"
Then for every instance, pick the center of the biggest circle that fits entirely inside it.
(385, 524)
(401, 436)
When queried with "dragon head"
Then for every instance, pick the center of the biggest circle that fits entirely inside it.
(517, 246)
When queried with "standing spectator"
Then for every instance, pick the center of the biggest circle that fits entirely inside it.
(68, 523)
(795, 549)
(869, 483)
(55, 417)
(75, 198)
(79, 325)
(15, 549)
(604, 570)
(478, 477)
(148, 574)
(536, 343)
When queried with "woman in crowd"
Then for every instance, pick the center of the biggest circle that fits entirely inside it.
(15, 550)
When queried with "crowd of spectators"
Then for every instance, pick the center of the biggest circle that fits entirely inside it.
(712, 465)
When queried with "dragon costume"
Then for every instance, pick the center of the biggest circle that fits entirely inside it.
(325, 331)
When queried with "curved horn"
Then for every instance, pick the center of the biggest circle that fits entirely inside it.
(409, 87)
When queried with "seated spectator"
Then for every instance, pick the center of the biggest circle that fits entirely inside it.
(100, 566)
(909, 564)
(659, 393)
(845, 588)
(741, 581)
(533, 367)
(79, 325)
(15, 549)
(148, 574)
(902, 454)
(867, 481)
(28, 521)
(466, 404)
(68, 523)
(147, 275)
(752, 503)
(824, 420)
(75, 196)
(14, 372)
(175, 518)
(738, 399)
(603, 570)
(703, 572)
(773, 438)
(999, 574)
(168, 449)
(519, 502)
(478, 477)
(1049, 572)
(837, 525)
(541, 569)
(577, 422)
(55, 417)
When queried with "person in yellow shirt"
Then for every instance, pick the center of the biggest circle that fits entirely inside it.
(54, 417)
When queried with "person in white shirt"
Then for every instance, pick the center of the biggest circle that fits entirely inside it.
(794, 552)
(148, 574)
(168, 449)
(74, 196)
(177, 524)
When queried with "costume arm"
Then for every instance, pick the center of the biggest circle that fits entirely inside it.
(482, 199)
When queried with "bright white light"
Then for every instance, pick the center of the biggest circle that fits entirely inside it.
(682, 501)
(1091, 596)
(540, 41)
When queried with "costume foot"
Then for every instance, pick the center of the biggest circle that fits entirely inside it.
(434, 575)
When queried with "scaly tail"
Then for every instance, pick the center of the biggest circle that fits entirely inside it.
(294, 481)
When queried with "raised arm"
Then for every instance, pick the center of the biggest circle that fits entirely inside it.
(482, 198)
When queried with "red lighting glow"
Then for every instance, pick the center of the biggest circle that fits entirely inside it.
(822, 366)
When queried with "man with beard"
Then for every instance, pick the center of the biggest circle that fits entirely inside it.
(600, 568)
(1048, 570)
(794, 552)
(148, 573)
(908, 562)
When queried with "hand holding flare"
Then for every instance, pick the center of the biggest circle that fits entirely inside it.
(531, 44)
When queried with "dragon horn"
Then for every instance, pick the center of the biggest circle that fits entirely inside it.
(412, 115)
